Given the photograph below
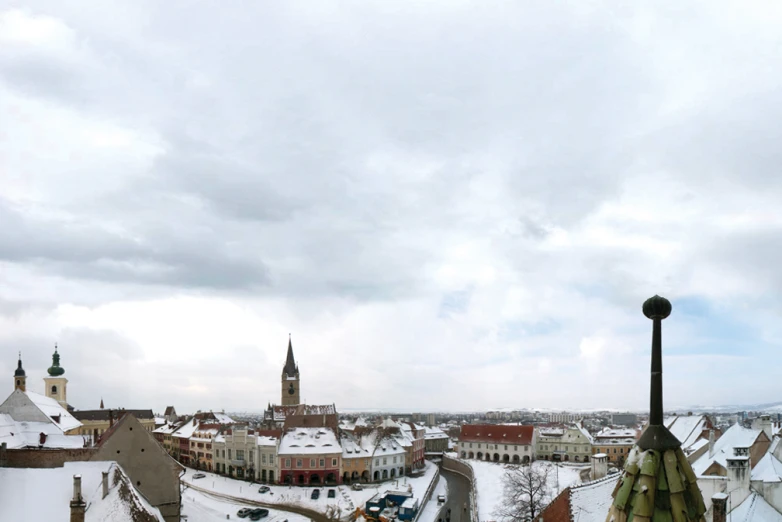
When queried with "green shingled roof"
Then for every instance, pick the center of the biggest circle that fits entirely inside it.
(657, 486)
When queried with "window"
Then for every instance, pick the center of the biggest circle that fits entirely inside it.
(471, 444)
(394, 460)
(526, 448)
(334, 462)
(239, 454)
(565, 448)
(385, 461)
(515, 447)
(614, 450)
(377, 462)
(208, 446)
(229, 453)
(252, 455)
(263, 458)
(479, 445)
(298, 463)
(287, 463)
(312, 463)
(322, 463)
(54, 390)
(366, 462)
(506, 447)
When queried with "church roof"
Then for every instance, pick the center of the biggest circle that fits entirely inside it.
(498, 433)
(19, 370)
(52, 409)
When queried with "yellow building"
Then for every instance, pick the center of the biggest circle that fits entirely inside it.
(96, 422)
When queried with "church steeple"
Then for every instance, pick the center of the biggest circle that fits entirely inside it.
(290, 369)
(56, 383)
(290, 379)
(55, 370)
(20, 378)
(101, 403)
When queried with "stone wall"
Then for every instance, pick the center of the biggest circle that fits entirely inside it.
(465, 470)
(44, 458)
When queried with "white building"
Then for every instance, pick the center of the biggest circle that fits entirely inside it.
(246, 453)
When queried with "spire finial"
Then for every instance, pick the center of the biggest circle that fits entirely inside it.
(657, 435)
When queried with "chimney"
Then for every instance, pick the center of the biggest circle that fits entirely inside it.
(3, 454)
(111, 418)
(739, 473)
(77, 502)
(711, 443)
(41, 438)
(105, 484)
(719, 502)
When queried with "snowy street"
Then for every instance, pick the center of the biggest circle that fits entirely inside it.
(345, 498)
(199, 507)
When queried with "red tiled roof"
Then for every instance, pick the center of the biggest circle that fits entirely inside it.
(498, 433)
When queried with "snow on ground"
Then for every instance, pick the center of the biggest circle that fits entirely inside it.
(346, 499)
(488, 482)
(199, 507)
(432, 508)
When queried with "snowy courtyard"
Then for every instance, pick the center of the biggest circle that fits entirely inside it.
(346, 499)
(199, 507)
(488, 481)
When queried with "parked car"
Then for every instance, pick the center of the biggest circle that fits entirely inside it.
(264, 489)
(259, 513)
(356, 487)
(441, 499)
(198, 475)
(332, 493)
(315, 494)
(244, 512)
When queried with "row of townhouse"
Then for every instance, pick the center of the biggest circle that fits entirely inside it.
(523, 444)
(307, 449)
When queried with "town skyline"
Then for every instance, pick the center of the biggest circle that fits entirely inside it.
(447, 206)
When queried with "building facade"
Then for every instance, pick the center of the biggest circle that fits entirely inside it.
(310, 456)
(497, 443)
(570, 443)
(615, 443)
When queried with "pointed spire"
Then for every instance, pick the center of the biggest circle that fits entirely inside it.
(101, 403)
(290, 369)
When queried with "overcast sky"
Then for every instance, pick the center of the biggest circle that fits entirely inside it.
(450, 205)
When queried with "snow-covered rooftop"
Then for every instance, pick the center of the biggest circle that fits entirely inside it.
(687, 428)
(309, 441)
(616, 433)
(54, 411)
(737, 436)
(590, 502)
(187, 429)
(22, 490)
(262, 440)
(768, 469)
(22, 434)
(755, 509)
(434, 434)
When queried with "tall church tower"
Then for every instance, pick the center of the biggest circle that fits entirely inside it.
(20, 378)
(56, 384)
(290, 379)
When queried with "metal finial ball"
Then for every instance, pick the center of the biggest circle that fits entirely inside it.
(657, 307)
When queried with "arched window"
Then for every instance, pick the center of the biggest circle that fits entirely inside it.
(54, 390)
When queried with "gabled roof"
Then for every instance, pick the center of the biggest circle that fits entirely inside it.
(590, 502)
(169, 411)
(312, 441)
(498, 433)
(32, 407)
(24, 434)
(768, 469)
(755, 509)
(21, 486)
(687, 428)
(737, 436)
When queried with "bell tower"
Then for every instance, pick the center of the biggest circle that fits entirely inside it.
(290, 379)
(56, 384)
(20, 378)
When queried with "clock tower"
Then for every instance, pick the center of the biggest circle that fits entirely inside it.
(290, 379)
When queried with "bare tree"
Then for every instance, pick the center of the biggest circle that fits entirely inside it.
(525, 492)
